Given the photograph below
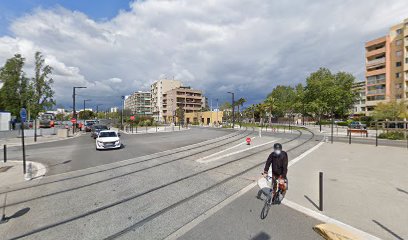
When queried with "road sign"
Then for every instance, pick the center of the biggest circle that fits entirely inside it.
(248, 140)
(23, 114)
(132, 118)
(73, 120)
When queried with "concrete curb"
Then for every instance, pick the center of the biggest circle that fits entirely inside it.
(54, 140)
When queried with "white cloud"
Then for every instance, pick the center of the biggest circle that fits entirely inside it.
(218, 46)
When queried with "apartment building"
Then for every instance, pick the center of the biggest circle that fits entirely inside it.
(359, 107)
(157, 90)
(387, 67)
(190, 100)
(139, 103)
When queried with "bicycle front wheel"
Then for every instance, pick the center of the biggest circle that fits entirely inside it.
(265, 209)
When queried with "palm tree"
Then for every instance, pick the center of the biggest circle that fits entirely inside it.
(270, 104)
(260, 107)
(238, 103)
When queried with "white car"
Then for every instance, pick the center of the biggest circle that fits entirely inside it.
(108, 139)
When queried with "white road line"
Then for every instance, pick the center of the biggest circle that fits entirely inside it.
(301, 156)
(184, 229)
(236, 152)
(321, 217)
(201, 159)
(326, 219)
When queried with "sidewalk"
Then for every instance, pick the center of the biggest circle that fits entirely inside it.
(16, 141)
(11, 172)
(143, 130)
(364, 186)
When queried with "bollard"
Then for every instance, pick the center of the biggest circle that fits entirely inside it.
(349, 132)
(146, 128)
(29, 174)
(5, 153)
(156, 127)
(376, 135)
(248, 140)
(321, 191)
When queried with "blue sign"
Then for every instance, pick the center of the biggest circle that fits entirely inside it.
(23, 114)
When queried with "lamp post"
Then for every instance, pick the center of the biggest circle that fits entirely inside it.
(233, 109)
(123, 108)
(85, 100)
(73, 105)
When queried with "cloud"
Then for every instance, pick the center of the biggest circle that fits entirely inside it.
(217, 46)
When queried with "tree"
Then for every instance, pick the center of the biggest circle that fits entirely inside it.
(238, 103)
(283, 98)
(180, 114)
(42, 97)
(391, 110)
(299, 102)
(60, 117)
(86, 114)
(269, 105)
(16, 90)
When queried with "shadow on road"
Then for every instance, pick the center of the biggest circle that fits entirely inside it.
(311, 201)
(18, 214)
(261, 236)
(388, 230)
(401, 190)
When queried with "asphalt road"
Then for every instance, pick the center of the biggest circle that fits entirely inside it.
(241, 220)
(151, 197)
(79, 153)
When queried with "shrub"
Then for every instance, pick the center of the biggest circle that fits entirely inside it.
(392, 135)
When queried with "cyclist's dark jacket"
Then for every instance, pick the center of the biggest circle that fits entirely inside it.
(279, 164)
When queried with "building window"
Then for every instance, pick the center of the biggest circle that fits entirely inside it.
(406, 60)
(399, 31)
(398, 75)
(399, 53)
(398, 42)
(398, 64)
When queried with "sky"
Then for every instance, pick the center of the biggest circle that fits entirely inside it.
(116, 47)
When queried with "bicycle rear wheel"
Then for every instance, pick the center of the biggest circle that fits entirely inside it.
(265, 209)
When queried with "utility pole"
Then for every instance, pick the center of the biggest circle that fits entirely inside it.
(85, 100)
(123, 108)
(73, 105)
(233, 109)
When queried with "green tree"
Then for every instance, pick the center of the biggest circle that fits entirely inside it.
(299, 102)
(283, 97)
(391, 110)
(42, 96)
(86, 114)
(16, 90)
(180, 114)
(60, 117)
(240, 103)
(269, 105)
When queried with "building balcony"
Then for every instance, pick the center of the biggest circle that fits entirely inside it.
(375, 72)
(376, 92)
(375, 52)
(375, 62)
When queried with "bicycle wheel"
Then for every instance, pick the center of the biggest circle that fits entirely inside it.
(265, 209)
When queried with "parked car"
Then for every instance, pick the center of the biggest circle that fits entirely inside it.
(108, 139)
(358, 125)
(96, 129)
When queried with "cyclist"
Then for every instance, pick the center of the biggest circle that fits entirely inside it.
(279, 161)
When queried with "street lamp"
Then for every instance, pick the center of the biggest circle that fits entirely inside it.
(73, 105)
(97, 107)
(233, 110)
(123, 108)
(85, 100)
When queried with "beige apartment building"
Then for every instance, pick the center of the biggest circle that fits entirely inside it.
(157, 90)
(190, 100)
(139, 103)
(387, 67)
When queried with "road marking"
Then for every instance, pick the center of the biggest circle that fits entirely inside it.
(321, 217)
(301, 156)
(236, 152)
(184, 229)
(327, 219)
(90, 170)
(201, 159)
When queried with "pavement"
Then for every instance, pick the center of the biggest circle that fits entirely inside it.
(16, 141)
(12, 172)
(364, 186)
(144, 130)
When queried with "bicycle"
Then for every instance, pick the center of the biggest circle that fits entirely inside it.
(271, 199)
